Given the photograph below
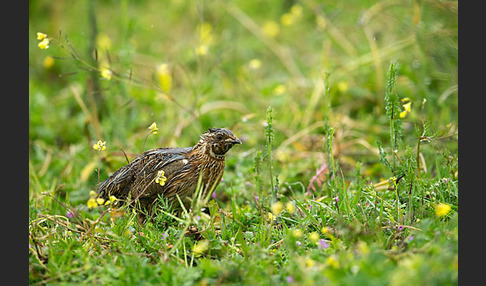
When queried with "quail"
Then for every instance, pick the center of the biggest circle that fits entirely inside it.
(169, 172)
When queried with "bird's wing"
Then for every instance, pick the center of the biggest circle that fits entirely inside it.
(144, 167)
(171, 161)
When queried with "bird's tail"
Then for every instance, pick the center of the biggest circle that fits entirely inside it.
(118, 184)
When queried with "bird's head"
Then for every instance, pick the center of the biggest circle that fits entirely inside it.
(219, 141)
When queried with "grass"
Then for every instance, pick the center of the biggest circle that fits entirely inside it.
(337, 181)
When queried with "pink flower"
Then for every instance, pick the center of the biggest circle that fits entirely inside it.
(323, 244)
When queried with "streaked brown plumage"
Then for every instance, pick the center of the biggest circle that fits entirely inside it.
(182, 167)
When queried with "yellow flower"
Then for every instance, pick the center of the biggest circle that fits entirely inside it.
(113, 199)
(106, 73)
(100, 145)
(202, 50)
(309, 262)
(165, 77)
(44, 44)
(255, 64)
(271, 29)
(442, 209)
(48, 62)
(287, 19)
(160, 179)
(408, 107)
(271, 217)
(314, 237)
(200, 247)
(297, 233)
(277, 208)
(41, 36)
(153, 128)
(92, 193)
(325, 230)
(290, 207)
(321, 22)
(296, 10)
(205, 34)
(279, 89)
(342, 86)
(92, 203)
(332, 261)
(100, 201)
(363, 248)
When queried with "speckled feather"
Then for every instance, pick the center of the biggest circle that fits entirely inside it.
(182, 167)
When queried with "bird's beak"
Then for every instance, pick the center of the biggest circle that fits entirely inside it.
(235, 140)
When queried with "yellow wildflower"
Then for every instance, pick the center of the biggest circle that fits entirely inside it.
(92, 193)
(271, 29)
(255, 64)
(277, 208)
(200, 247)
(44, 44)
(325, 230)
(205, 34)
(100, 145)
(442, 209)
(202, 50)
(363, 248)
(332, 261)
(106, 73)
(112, 198)
(160, 179)
(92, 203)
(290, 207)
(287, 19)
(48, 62)
(165, 77)
(321, 22)
(279, 89)
(153, 128)
(41, 36)
(408, 107)
(271, 217)
(342, 86)
(296, 10)
(309, 262)
(314, 237)
(100, 201)
(297, 233)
